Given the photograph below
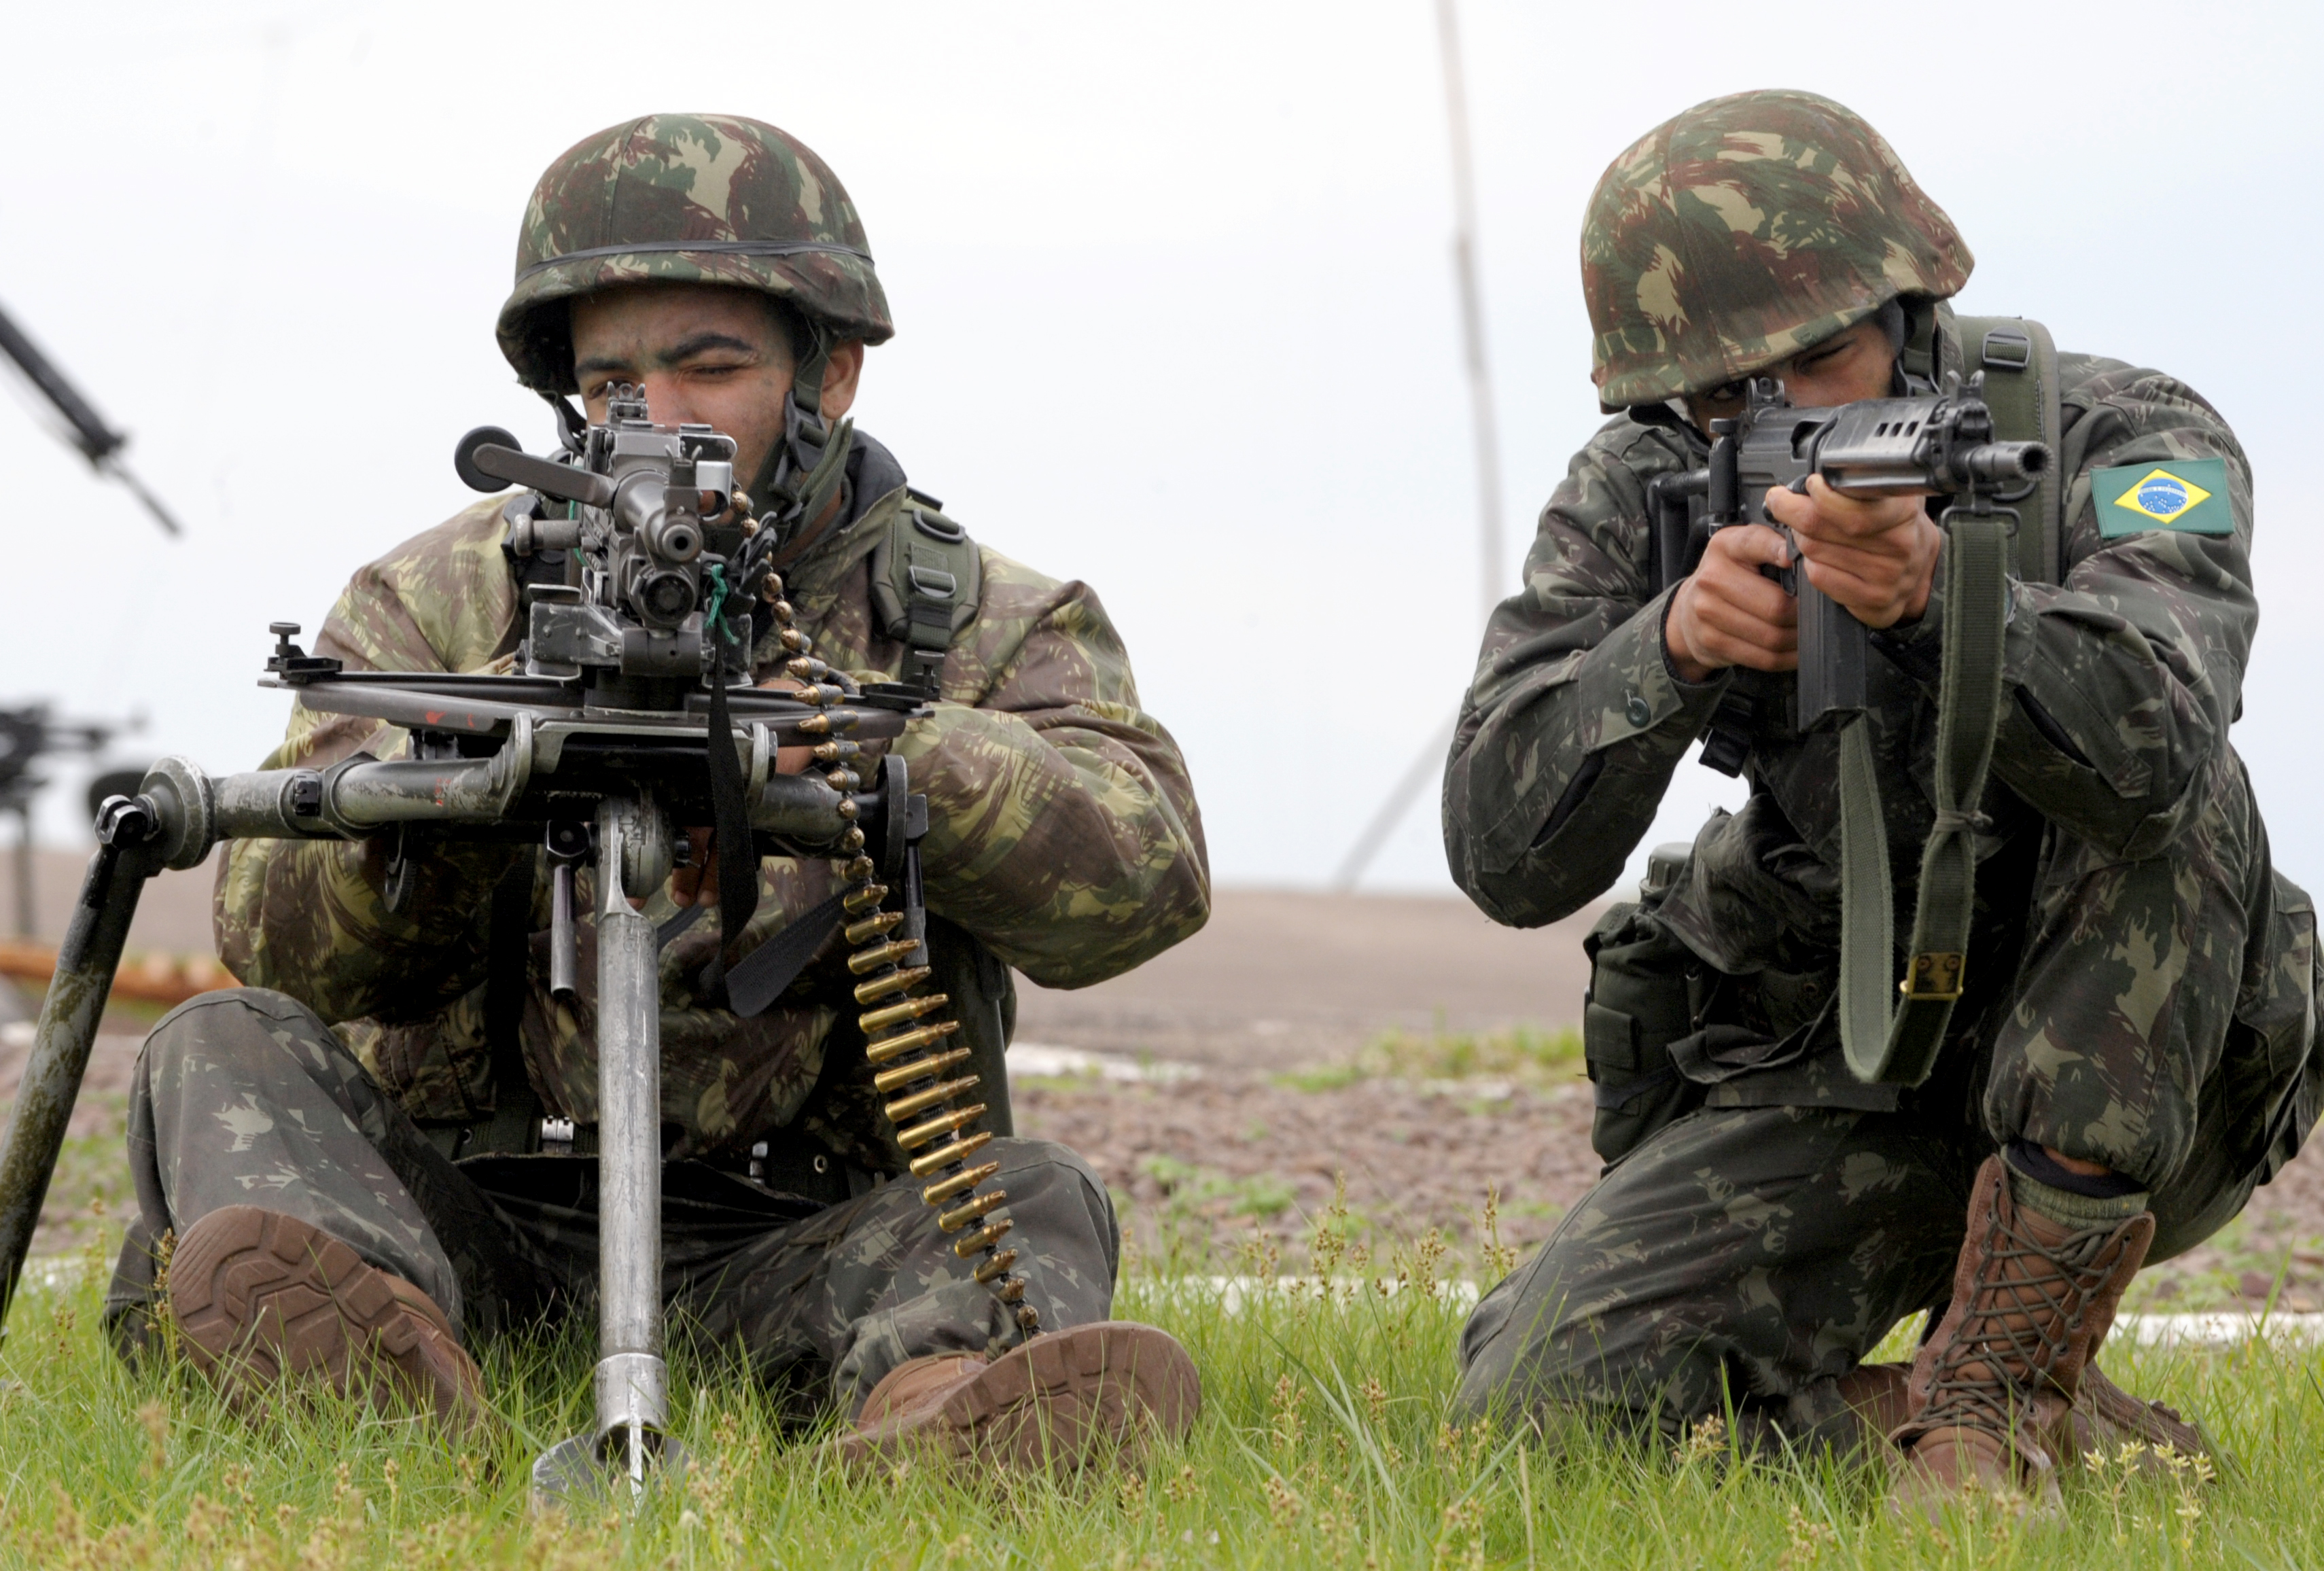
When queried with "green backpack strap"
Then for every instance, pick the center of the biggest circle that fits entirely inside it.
(927, 578)
(2020, 362)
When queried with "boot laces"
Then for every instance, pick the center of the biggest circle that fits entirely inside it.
(2018, 1326)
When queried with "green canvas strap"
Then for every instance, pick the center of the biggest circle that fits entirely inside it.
(2020, 362)
(1900, 1048)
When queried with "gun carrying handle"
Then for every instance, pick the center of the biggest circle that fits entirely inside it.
(69, 1014)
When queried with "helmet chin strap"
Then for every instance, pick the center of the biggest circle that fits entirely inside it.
(571, 423)
(805, 469)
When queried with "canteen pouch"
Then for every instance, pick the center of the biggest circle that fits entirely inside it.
(1647, 990)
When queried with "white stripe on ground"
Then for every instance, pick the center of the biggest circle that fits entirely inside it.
(1042, 1060)
(2221, 1328)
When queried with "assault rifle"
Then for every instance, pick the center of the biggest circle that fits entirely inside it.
(632, 711)
(1940, 445)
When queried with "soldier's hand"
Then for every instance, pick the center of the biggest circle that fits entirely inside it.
(1876, 555)
(696, 882)
(1725, 614)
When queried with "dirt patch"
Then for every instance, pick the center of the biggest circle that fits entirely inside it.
(1217, 1169)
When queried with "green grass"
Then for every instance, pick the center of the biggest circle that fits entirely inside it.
(1324, 1443)
(1526, 1055)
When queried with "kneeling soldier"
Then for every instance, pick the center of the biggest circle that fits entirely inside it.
(2130, 1049)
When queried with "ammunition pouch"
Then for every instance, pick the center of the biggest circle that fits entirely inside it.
(927, 578)
(1647, 991)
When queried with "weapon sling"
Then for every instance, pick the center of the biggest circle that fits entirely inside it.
(1901, 1047)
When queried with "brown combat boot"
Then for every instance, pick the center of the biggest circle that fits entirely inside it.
(266, 1301)
(1055, 1401)
(1992, 1393)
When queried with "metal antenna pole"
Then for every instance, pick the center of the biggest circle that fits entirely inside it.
(1487, 432)
(1473, 307)
(98, 442)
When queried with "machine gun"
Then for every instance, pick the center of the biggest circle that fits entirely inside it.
(1940, 445)
(630, 712)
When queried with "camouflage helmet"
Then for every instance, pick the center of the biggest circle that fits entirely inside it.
(693, 199)
(1743, 231)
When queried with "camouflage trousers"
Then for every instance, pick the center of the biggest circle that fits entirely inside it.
(245, 1097)
(1745, 1256)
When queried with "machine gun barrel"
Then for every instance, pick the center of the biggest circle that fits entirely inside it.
(363, 796)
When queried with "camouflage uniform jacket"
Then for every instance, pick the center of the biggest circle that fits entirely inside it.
(2120, 682)
(1063, 835)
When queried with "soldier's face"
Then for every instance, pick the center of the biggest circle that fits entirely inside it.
(702, 352)
(1858, 364)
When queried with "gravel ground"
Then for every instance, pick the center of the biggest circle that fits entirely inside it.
(1244, 1162)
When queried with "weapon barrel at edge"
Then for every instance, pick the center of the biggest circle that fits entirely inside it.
(51, 1080)
(367, 794)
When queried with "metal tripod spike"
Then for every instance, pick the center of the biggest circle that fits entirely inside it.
(631, 1442)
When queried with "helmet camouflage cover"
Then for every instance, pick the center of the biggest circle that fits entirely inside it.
(690, 199)
(1743, 231)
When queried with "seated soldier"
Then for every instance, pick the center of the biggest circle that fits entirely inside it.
(2131, 1054)
(347, 1153)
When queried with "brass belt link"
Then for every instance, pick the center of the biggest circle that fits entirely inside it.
(897, 1023)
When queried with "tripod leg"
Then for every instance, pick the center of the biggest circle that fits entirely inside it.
(632, 1442)
(61, 1041)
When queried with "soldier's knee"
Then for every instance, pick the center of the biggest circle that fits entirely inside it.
(232, 1024)
(1055, 1181)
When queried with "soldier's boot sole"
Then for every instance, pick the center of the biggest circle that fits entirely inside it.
(1057, 1403)
(269, 1305)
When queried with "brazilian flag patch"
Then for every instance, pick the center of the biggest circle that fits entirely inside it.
(2185, 493)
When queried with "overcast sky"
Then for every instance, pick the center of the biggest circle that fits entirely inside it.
(1174, 308)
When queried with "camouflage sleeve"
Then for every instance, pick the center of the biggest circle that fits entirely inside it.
(308, 917)
(1575, 720)
(1062, 825)
(2126, 677)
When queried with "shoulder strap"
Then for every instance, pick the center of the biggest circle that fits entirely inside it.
(927, 578)
(2020, 362)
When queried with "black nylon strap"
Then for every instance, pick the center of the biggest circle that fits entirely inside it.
(738, 858)
(760, 977)
(507, 960)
